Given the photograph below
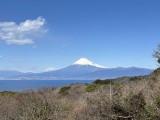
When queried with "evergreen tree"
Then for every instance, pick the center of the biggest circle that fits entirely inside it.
(157, 54)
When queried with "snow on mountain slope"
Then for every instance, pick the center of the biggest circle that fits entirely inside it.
(84, 61)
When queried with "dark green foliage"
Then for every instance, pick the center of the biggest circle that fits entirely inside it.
(98, 81)
(149, 111)
(158, 102)
(8, 93)
(135, 78)
(91, 87)
(157, 71)
(64, 90)
(157, 54)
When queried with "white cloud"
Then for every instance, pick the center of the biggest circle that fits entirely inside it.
(22, 33)
(50, 69)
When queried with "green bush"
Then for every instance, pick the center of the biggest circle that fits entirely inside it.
(8, 93)
(97, 83)
(157, 71)
(158, 102)
(91, 87)
(149, 111)
(135, 78)
(108, 81)
(64, 90)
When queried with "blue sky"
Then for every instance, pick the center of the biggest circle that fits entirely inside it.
(40, 34)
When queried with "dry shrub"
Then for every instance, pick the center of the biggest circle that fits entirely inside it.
(132, 100)
(94, 106)
(8, 107)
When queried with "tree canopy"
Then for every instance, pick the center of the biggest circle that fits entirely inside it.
(157, 54)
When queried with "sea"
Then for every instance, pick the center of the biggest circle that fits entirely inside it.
(23, 85)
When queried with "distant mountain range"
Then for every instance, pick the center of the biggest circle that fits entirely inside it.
(83, 69)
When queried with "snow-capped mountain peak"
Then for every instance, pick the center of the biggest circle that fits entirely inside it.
(84, 61)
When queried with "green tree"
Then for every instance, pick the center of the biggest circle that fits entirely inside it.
(157, 54)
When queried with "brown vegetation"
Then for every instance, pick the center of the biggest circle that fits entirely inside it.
(137, 99)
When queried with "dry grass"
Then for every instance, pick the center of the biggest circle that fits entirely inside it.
(133, 100)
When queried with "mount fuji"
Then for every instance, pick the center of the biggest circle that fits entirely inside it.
(84, 69)
(86, 62)
(75, 71)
